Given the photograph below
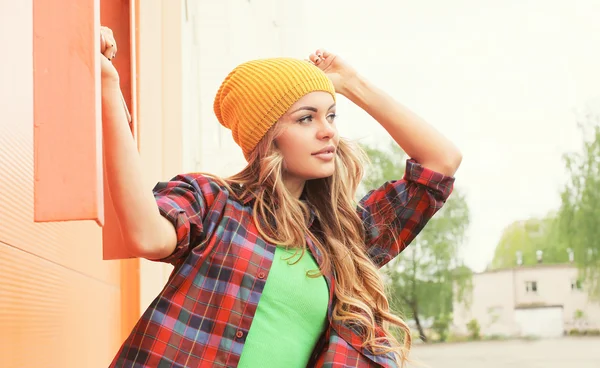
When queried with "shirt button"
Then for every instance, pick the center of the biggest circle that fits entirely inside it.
(261, 275)
(239, 334)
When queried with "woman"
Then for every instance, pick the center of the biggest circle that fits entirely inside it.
(276, 266)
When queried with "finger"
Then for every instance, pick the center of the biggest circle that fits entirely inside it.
(108, 45)
(108, 52)
(315, 59)
(326, 53)
(115, 47)
(102, 43)
(106, 30)
(105, 36)
(111, 48)
(307, 60)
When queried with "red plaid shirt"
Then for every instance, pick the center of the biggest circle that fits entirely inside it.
(202, 316)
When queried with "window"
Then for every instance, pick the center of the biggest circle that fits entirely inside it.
(531, 286)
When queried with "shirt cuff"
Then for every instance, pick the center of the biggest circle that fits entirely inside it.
(419, 174)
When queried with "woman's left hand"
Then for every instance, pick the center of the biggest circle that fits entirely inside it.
(336, 69)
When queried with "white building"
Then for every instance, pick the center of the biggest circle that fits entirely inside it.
(540, 300)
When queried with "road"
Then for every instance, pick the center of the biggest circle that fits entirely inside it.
(581, 352)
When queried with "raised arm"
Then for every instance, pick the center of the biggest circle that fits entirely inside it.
(147, 233)
(395, 213)
(416, 137)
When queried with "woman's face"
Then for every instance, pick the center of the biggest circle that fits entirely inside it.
(309, 139)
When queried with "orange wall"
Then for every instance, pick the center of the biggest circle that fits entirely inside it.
(60, 304)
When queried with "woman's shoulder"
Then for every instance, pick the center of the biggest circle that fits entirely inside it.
(206, 183)
(214, 186)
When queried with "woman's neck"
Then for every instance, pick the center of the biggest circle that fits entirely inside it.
(294, 185)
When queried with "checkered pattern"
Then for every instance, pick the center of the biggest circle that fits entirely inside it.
(202, 316)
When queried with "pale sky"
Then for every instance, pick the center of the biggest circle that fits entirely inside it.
(502, 79)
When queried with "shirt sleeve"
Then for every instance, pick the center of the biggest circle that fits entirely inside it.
(184, 201)
(396, 212)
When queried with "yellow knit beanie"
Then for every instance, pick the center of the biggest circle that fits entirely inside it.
(257, 93)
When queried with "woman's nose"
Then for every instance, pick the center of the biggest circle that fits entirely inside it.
(327, 130)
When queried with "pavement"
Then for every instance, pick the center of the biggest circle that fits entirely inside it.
(580, 352)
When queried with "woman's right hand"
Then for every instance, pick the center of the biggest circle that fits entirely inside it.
(110, 76)
(108, 49)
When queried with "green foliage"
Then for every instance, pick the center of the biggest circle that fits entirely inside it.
(579, 214)
(428, 275)
(474, 329)
(577, 332)
(441, 326)
(528, 237)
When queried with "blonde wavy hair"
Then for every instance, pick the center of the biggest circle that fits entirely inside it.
(359, 286)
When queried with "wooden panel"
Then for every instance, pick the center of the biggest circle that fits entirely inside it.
(52, 316)
(76, 245)
(67, 123)
(60, 304)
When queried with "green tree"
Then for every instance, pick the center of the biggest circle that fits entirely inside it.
(579, 214)
(428, 275)
(528, 237)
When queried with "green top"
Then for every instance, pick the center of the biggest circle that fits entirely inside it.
(290, 316)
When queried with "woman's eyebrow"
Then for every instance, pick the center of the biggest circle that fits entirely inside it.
(310, 108)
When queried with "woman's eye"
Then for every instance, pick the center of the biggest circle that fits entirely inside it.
(306, 119)
(309, 118)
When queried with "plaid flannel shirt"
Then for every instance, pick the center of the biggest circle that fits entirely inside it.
(202, 316)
